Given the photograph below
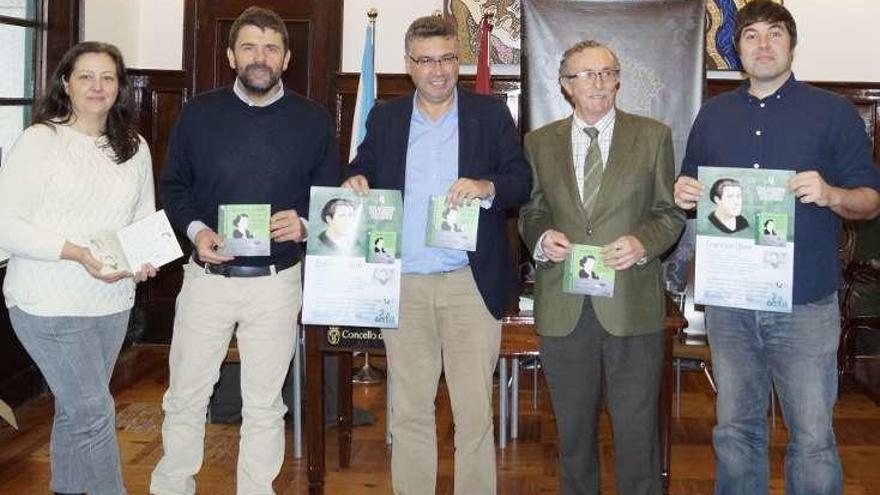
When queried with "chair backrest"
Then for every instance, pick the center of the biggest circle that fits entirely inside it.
(693, 313)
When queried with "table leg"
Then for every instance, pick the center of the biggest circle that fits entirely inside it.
(315, 410)
(388, 409)
(297, 398)
(502, 402)
(345, 408)
(514, 398)
(665, 408)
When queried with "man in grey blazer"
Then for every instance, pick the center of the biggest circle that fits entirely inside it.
(602, 177)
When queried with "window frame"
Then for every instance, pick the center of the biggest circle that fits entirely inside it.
(56, 25)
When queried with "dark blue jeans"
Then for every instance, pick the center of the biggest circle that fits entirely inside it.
(798, 352)
(76, 356)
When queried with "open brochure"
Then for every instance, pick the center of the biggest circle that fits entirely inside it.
(149, 240)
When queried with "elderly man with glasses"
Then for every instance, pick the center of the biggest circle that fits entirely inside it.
(444, 141)
(602, 177)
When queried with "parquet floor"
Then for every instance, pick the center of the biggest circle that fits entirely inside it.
(526, 467)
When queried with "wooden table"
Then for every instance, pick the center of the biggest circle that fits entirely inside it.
(518, 339)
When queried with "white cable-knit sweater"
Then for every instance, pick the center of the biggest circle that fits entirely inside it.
(57, 184)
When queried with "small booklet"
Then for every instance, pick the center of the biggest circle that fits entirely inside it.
(381, 246)
(149, 240)
(244, 230)
(451, 226)
(585, 273)
(771, 229)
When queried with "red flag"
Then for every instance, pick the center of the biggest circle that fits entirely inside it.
(484, 73)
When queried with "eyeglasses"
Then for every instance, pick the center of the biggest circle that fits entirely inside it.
(426, 62)
(592, 75)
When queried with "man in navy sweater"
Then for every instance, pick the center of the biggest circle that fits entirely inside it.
(252, 143)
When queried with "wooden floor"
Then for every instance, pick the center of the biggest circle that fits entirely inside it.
(526, 466)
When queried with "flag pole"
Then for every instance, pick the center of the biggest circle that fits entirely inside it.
(368, 374)
(372, 14)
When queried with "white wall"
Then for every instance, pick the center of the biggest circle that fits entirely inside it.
(160, 34)
(148, 32)
(114, 22)
(836, 38)
(394, 17)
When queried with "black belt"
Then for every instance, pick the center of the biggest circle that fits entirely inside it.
(245, 271)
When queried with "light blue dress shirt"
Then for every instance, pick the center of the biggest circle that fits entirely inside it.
(431, 168)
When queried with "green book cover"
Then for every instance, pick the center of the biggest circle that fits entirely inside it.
(771, 228)
(585, 273)
(452, 226)
(244, 229)
(381, 246)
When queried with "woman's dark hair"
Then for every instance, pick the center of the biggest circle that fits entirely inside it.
(55, 106)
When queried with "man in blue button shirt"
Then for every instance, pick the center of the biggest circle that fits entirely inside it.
(445, 141)
(774, 121)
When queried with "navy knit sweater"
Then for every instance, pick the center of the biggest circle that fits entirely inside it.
(223, 151)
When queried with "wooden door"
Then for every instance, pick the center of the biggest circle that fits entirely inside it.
(314, 26)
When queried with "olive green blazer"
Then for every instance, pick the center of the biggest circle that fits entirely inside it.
(635, 198)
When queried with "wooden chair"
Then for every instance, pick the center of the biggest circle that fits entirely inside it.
(691, 349)
(859, 278)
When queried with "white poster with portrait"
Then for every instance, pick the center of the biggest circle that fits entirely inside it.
(353, 267)
(745, 239)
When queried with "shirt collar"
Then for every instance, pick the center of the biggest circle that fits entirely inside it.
(602, 124)
(783, 90)
(451, 111)
(238, 89)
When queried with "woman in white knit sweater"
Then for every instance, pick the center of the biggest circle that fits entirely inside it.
(80, 169)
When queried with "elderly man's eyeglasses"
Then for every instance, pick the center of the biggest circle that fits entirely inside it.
(426, 62)
(592, 75)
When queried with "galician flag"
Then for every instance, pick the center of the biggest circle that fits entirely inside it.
(366, 95)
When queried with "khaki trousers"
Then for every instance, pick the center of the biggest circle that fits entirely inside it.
(208, 308)
(444, 325)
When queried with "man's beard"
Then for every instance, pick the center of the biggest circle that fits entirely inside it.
(254, 87)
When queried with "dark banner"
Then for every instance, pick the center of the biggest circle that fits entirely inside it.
(659, 44)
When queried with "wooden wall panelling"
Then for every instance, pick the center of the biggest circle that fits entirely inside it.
(158, 96)
(19, 377)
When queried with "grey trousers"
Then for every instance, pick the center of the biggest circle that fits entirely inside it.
(76, 356)
(575, 366)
